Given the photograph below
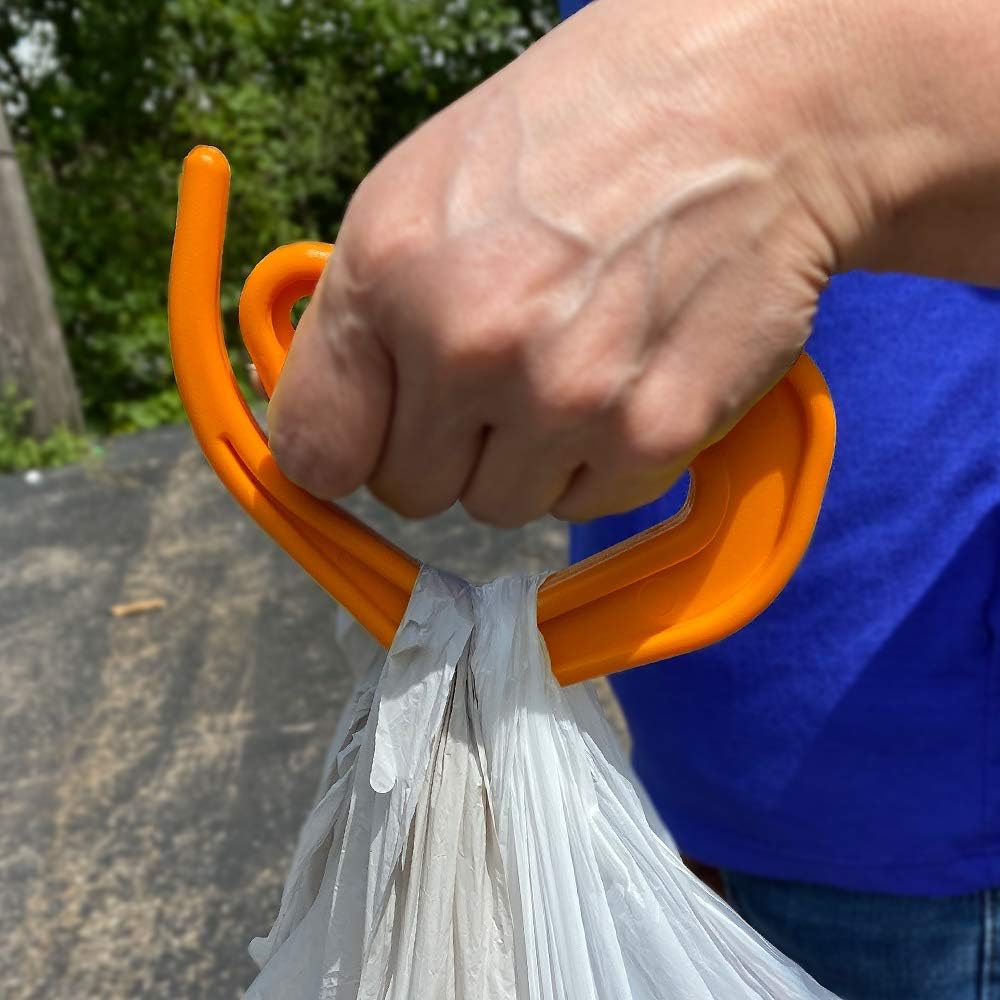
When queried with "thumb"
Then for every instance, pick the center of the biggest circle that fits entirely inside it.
(330, 410)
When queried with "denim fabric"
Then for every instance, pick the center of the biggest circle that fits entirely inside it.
(871, 946)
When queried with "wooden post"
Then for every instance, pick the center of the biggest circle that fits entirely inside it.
(32, 353)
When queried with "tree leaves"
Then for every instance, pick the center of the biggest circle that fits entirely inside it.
(303, 96)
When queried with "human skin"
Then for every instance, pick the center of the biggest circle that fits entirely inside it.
(559, 289)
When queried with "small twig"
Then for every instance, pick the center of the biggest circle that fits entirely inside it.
(138, 607)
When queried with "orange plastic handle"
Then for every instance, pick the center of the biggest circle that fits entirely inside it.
(691, 581)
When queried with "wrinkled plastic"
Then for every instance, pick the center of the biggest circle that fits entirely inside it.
(480, 836)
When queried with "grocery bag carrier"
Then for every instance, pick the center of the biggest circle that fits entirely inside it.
(750, 511)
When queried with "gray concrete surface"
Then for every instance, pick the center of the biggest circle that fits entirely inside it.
(154, 769)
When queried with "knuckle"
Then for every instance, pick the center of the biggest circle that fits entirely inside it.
(379, 234)
(653, 449)
(670, 438)
(476, 324)
(382, 247)
(567, 402)
(467, 341)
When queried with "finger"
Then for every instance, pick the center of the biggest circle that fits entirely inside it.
(517, 479)
(430, 452)
(593, 494)
(332, 405)
(255, 383)
(646, 449)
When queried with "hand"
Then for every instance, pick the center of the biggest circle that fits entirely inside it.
(557, 291)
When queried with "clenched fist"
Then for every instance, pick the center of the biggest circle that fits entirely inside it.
(558, 290)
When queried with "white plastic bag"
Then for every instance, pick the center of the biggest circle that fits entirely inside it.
(479, 836)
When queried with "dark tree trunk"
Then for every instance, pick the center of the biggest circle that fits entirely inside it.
(32, 353)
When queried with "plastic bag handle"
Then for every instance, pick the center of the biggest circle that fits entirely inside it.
(683, 584)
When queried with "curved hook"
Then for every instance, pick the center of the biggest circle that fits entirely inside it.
(751, 510)
(369, 576)
(719, 562)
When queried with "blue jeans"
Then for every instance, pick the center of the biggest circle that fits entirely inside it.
(868, 946)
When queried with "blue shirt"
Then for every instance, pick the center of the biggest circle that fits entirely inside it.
(851, 734)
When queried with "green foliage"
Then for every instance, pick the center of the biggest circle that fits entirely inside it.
(304, 96)
(20, 451)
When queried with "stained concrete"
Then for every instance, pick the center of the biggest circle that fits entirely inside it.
(154, 769)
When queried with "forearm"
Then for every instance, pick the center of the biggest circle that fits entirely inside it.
(883, 115)
(933, 172)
